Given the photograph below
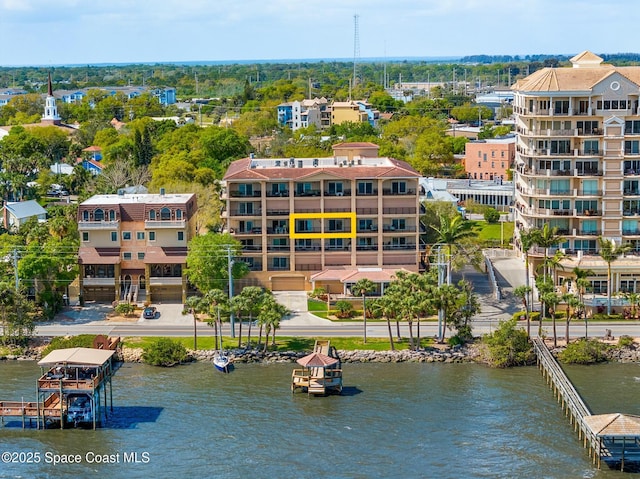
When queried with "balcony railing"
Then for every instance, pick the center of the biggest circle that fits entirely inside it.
(399, 211)
(330, 249)
(367, 247)
(630, 231)
(631, 193)
(244, 194)
(373, 192)
(368, 229)
(390, 192)
(308, 267)
(278, 194)
(631, 212)
(338, 193)
(394, 229)
(588, 212)
(164, 224)
(277, 212)
(589, 232)
(273, 247)
(367, 211)
(251, 248)
(256, 212)
(307, 193)
(308, 249)
(399, 247)
(98, 225)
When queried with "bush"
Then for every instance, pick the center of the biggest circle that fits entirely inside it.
(521, 316)
(125, 309)
(491, 215)
(345, 309)
(625, 341)
(606, 317)
(583, 352)
(164, 352)
(508, 346)
(317, 292)
(79, 341)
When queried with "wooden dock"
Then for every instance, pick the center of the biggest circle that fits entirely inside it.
(612, 438)
(322, 372)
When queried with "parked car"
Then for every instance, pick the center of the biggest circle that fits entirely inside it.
(149, 312)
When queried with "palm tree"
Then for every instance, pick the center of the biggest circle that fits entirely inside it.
(386, 307)
(571, 303)
(634, 299)
(610, 252)
(271, 312)
(255, 295)
(363, 287)
(215, 301)
(582, 283)
(195, 305)
(551, 299)
(547, 238)
(239, 306)
(527, 240)
(446, 299)
(452, 230)
(522, 292)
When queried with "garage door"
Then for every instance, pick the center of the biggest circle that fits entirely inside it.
(101, 295)
(166, 294)
(288, 283)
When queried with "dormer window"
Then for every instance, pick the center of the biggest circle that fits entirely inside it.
(165, 214)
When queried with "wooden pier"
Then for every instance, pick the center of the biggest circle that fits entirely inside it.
(612, 438)
(322, 372)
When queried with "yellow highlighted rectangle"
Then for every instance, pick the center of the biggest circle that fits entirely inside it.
(321, 216)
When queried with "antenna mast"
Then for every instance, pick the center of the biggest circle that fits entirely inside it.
(356, 48)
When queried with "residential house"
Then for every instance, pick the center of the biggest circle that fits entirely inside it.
(490, 159)
(134, 246)
(299, 217)
(18, 213)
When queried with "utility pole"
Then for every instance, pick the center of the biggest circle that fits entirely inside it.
(15, 268)
(229, 270)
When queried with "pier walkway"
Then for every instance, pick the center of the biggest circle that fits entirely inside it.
(612, 438)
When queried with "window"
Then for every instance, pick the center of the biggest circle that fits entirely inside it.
(280, 263)
(364, 225)
(114, 236)
(335, 188)
(336, 225)
(559, 147)
(85, 236)
(335, 243)
(140, 235)
(591, 146)
(587, 127)
(502, 154)
(479, 154)
(561, 107)
(365, 187)
(629, 227)
(493, 154)
(586, 206)
(165, 214)
(180, 235)
(399, 224)
(85, 215)
(479, 164)
(152, 235)
(126, 235)
(112, 215)
(398, 187)
(152, 215)
(126, 256)
(589, 227)
(631, 147)
(245, 189)
(98, 215)
(140, 255)
(304, 226)
(632, 127)
(630, 187)
(178, 214)
(245, 209)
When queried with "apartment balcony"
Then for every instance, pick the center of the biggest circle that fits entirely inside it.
(256, 212)
(407, 210)
(245, 194)
(390, 192)
(308, 248)
(337, 193)
(335, 210)
(278, 194)
(366, 211)
(332, 249)
(631, 193)
(98, 225)
(373, 192)
(91, 281)
(630, 231)
(399, 247)
(587, 193)
(152, 224)
(393, 229)
(588, 213)
(307, 193)
(589, 132)
(277, 212)
(368, 229)
(251, 248)
(281, 230)
(252, 231)
(589, 232)
(253, 266)
(367, 247)
(278, 248)
(631, 212)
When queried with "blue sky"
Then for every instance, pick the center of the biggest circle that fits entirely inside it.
(51, 32)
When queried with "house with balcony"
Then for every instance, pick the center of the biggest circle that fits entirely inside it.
(297, 217)
(134, 246)
(577, 165)
(302, 114)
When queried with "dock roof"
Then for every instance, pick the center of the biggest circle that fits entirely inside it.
(77, 356)
(614, 425)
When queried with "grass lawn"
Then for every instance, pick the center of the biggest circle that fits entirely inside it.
(491, 233)
(316, 305)
(285, 343)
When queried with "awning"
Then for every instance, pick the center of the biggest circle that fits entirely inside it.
(77, 357)
(98, 256)
(167, 255)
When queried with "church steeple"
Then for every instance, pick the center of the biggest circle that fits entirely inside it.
(50, 110)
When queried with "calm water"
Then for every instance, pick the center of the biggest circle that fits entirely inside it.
(408, 420)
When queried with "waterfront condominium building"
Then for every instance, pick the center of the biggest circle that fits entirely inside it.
(134, 246)
(307, 222)
(578, 163)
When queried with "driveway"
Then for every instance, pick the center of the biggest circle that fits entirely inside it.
(296, 302)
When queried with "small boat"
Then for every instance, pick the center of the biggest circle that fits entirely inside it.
(221, 362)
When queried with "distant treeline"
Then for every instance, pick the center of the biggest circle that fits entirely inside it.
(616, 58)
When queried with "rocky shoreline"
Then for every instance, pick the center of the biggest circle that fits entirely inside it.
(460, 354)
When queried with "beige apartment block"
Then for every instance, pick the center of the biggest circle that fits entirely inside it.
(578, 163)
(324, 221)
(134, 246)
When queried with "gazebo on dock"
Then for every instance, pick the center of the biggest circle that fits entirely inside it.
(322, 373)
(71, 384)
(618, 437)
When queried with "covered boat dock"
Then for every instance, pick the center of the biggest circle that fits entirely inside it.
(321, 373)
